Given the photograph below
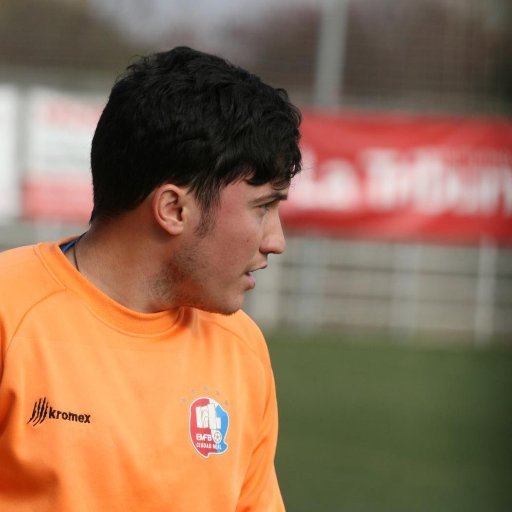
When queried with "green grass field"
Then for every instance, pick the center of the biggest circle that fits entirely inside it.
(380, 426)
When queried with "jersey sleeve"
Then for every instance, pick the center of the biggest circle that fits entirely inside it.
(260, 491)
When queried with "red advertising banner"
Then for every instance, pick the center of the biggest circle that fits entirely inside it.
(57, 177)
(404, 177)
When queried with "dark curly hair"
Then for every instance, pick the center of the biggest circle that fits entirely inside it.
(195, 120)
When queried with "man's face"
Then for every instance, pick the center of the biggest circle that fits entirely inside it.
(212, 271)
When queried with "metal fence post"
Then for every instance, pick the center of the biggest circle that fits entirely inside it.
(330, 54)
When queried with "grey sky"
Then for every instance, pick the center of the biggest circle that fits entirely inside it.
(146, 19)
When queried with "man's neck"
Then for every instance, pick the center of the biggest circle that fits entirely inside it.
(114, 258)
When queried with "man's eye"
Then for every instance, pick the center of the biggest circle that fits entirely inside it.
(268, 206)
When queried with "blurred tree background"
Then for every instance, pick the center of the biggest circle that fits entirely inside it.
(438, 55)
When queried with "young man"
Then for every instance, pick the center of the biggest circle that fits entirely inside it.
(130, 379)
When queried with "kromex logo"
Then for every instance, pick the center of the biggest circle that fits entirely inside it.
(43, 410)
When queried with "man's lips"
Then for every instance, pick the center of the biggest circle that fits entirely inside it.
(251, 279)
(257, 268)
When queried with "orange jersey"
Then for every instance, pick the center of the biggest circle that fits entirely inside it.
(106, 409)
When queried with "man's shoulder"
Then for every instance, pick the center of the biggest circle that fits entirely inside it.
(24, 278)
(239, 322)
(19, 263)
(241, 327)
(16, 255)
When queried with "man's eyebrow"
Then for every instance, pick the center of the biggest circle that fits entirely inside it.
(277, 195)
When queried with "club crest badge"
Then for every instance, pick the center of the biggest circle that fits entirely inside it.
(208, 427)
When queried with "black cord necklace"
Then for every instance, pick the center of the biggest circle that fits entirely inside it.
(75, 259)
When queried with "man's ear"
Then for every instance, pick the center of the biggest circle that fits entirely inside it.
(168, 204)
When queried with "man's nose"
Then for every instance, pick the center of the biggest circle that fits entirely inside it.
(273, 242)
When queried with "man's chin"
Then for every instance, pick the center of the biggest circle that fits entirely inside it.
(222, 309)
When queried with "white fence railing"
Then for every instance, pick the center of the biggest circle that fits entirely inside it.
(400, 288)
